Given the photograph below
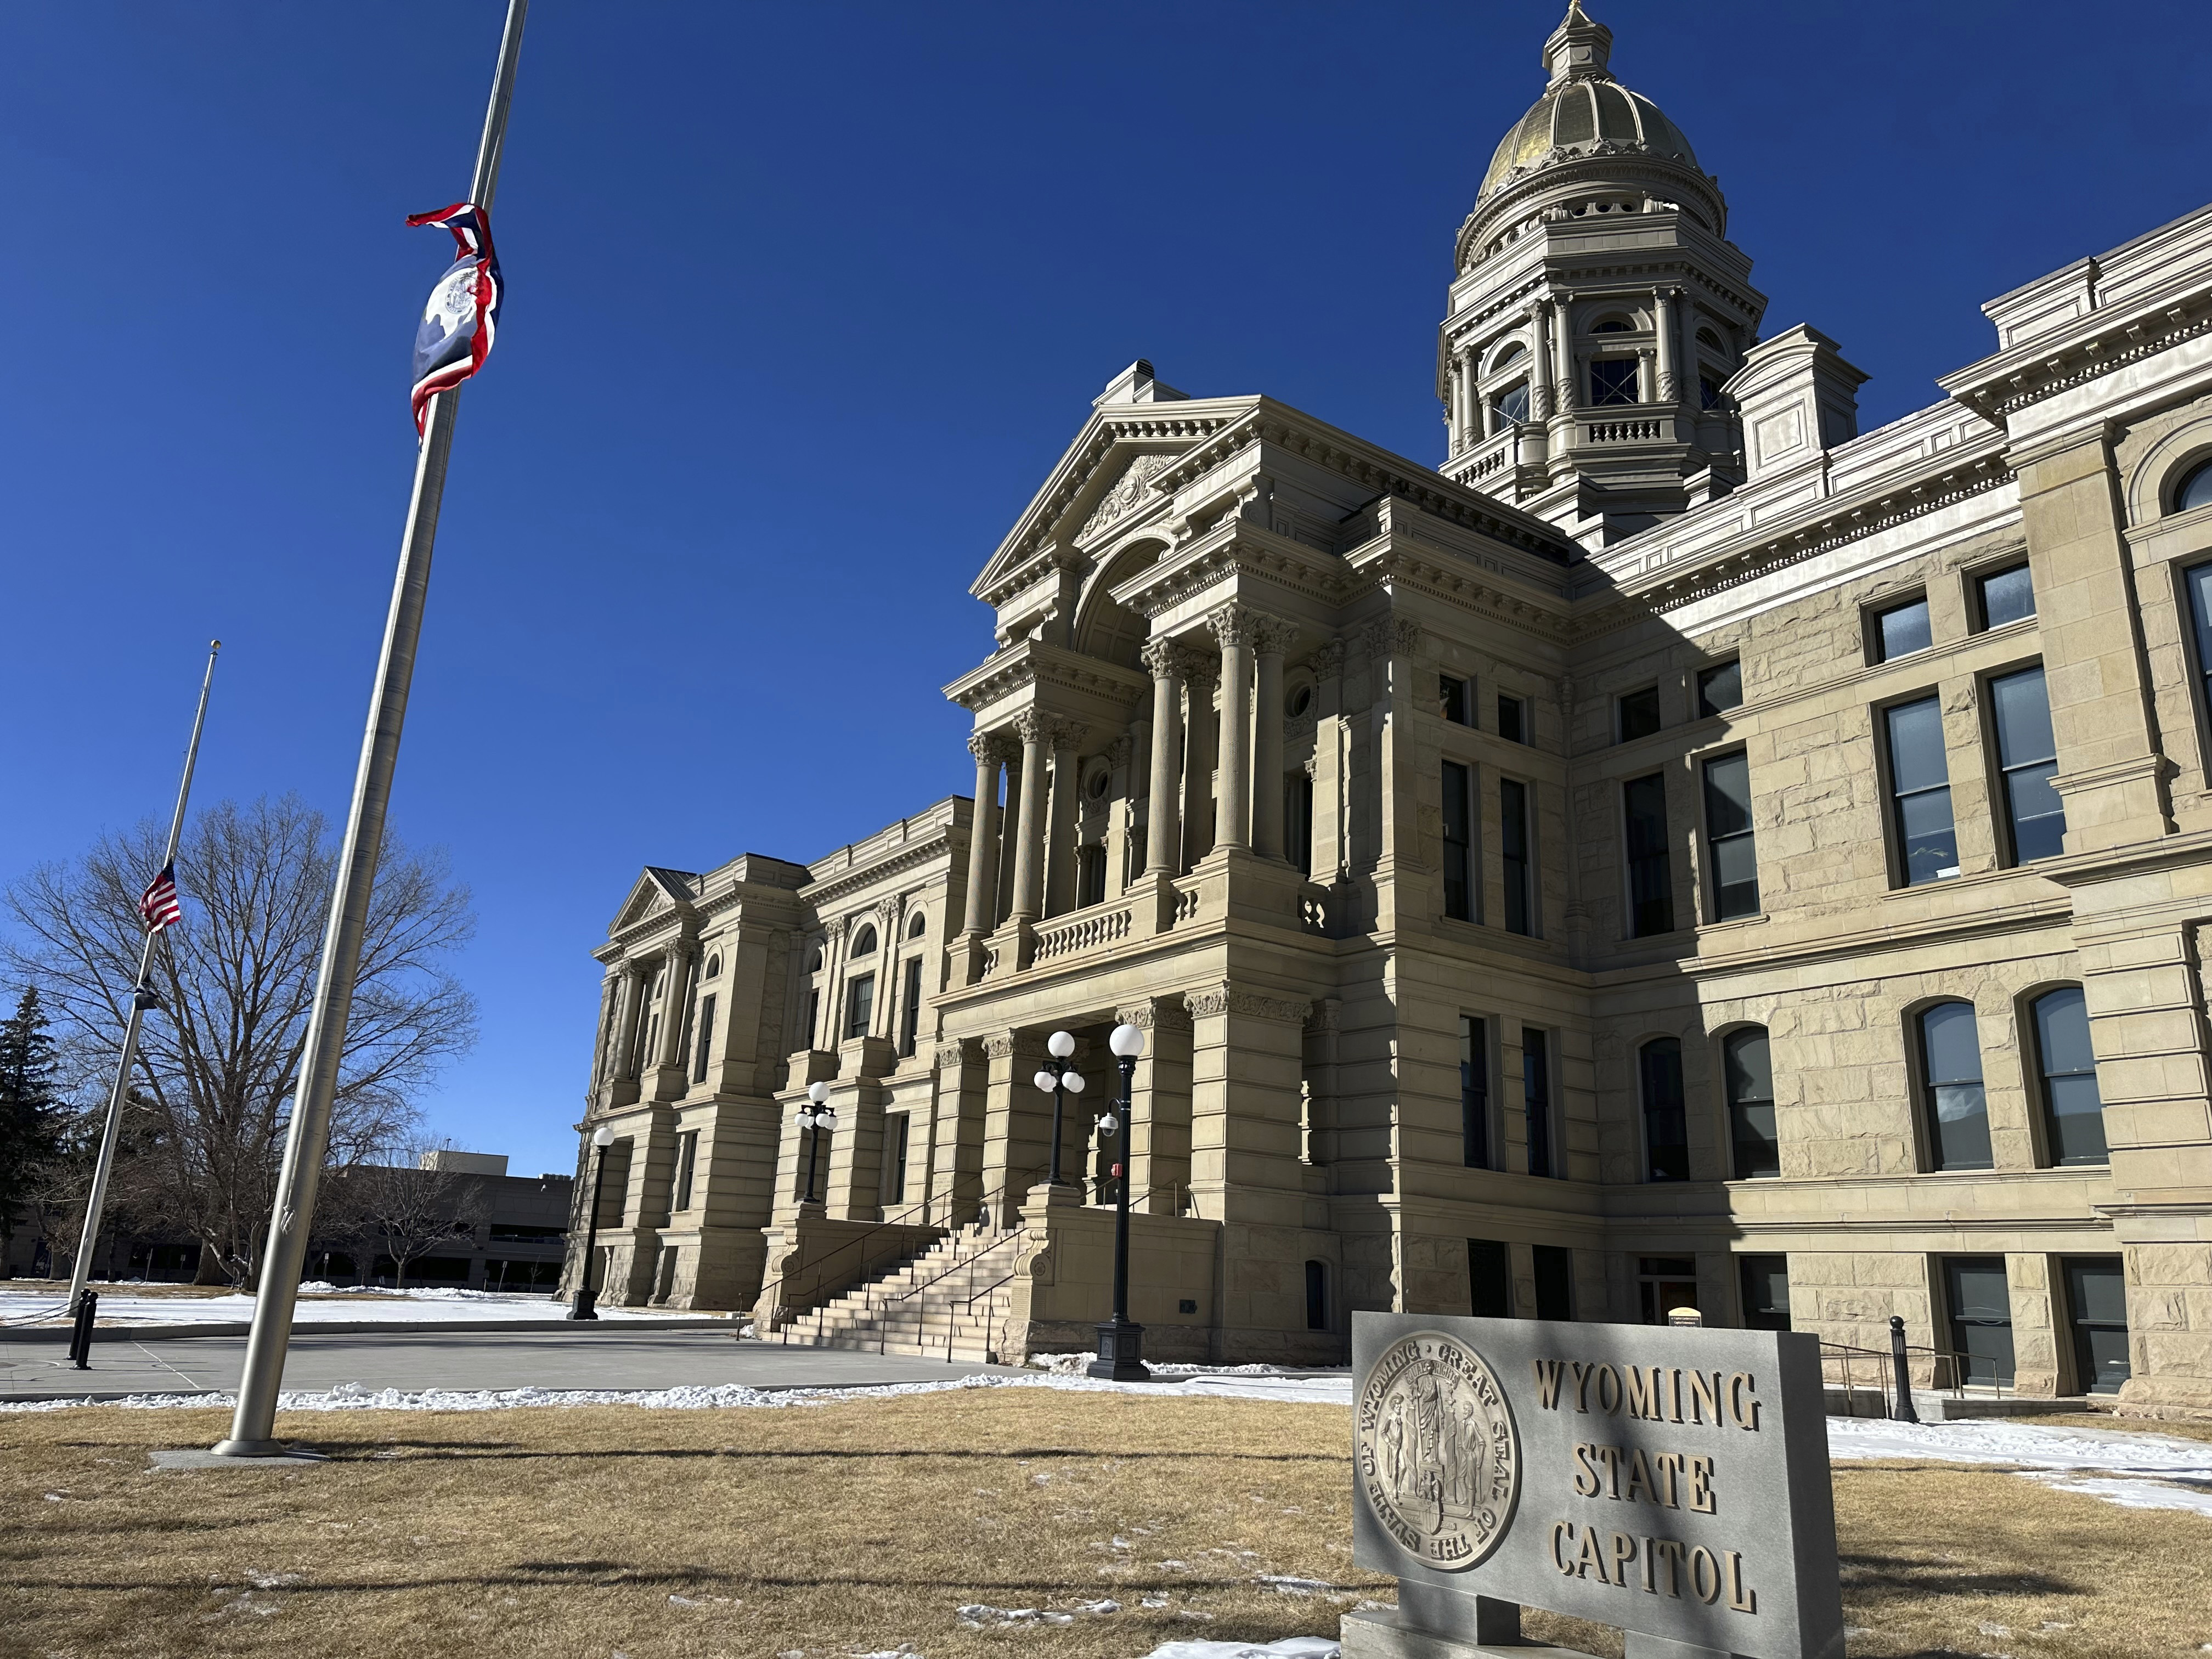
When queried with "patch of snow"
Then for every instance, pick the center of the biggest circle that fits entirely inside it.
(1076, 1364)
(1286, 1583)
(1291, 1647)
(2129, 1494)
(1994, 1440)
(319, 1302)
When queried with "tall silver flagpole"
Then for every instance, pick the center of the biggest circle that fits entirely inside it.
(254, 1425)
(141, 999)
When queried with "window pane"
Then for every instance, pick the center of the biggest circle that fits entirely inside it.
(1728, 794)
(1981, 1320)
(2199, 583)
(1916, 746)
(1510, 717)
(1666, 1129)
(861, 1004)
(1513, 836)
(1489, 1279)
(1639, 714)
(2027, 756)
(1513, 402)
(1731, 851)
(1555, 1281)
(1474, 1091)
(1928, 850)
(1951, 1054)
(1720, 689)
(1453, 696)
(1902, 630)
(1651, 881)
(2073, 1110)
(1536, 1100)
(1751, 1105)
(2195, 489)
(1766, 1293)
(1612, 380)
(2006, 596)
(1458, 886)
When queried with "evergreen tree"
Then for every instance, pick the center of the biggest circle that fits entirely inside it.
(30, 1112)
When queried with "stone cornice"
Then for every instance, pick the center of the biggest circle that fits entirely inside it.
(2011, 381)
(1232, 547)
(1032, 662)
(912, 855)
(1404, 563)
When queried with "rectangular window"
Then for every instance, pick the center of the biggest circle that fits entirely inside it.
(1920, 793)
(1650, 882)
(1536, 1099)
(1666, 1119)
(1730, 854)
(1981, 1322)
(910, 1021)
(1720, 687)
(705, 1038)
(1512, 404)
(1489, 1279)
(2097, 1306)
(1089, 876)
(1513, 847)
(1765, 1291)
(1709, 392)
(2028, 757)
(687, 1159)
(1474, 1091)
(1298, 821)
(1459, 842)
(1639, 712)
(1664, 1283)
(1613, 381)
(813, 1015)
(1555, 1281)
(860, 1005)
(895, 1132)
(1899, 630)
(2004, 596)
(1513, 712)
(2198, 581)
(1456, 699)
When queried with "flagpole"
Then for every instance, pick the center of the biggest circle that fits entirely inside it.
(253, 1426)
(141, 999)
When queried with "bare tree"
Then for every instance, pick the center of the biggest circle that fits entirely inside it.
(407, 1210)
(218, 1061)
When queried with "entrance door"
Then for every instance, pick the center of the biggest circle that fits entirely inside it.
(2097, 1302)
(1981, 1318)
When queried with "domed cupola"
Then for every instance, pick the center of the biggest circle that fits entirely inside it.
(1587, 128)
(1596, 309)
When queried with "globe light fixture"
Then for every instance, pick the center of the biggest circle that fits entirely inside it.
(817, 1117)
(586, 1305)
(1120, 1340)
(1058, 1078)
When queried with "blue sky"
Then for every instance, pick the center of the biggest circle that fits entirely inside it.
(804, 300)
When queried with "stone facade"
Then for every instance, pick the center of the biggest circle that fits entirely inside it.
(1676, 849)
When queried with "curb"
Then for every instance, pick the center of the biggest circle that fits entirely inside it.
(106, 1333)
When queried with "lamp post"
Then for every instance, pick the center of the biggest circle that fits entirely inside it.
(587, 1299)
(816, 1116)
(1058, 1078)
(1122, 1343)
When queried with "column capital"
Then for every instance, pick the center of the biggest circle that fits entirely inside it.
(1391, 637)
(1232, 624)
(987, 747)
(1164, 660)
(1274, 635)
(1034, 726)
(1155, 1014)
(1326, 659)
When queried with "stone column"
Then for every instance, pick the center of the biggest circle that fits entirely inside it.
(1010, 840)
(983, 836)
(1331, 773)
(1563, 365)
(1647, 380)
(1162, 831)
(1159, 1106)
(1245, 1057)
(1540, 371)
(673, 1001)
(1233, 625)
(1390, 644)
(1270, 641)
(1059, 844)
(1666, 322)
(634, 989)
(1035, 730)
(609, 1026)
(1459, 383)
(1198, 816)
(1133, 772)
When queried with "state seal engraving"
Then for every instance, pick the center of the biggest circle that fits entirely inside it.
(1439, 1456)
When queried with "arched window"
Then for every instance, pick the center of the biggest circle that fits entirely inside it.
(713, 967)
(1750, 1076)
(1613, 325)
(1711, 341)
(1666, 1126)
(2072, 1110)
(919, 925)
(2195, 489)
(1512, 354)
(1952, 1104)
(814, 959)
(864, 942)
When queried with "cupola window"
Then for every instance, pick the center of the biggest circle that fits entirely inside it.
(2195, 489)
(1613, 325)
(1512, 404)
(1613, 381)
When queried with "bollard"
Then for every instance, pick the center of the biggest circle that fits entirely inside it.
(1902, 1411)
(81, 1338)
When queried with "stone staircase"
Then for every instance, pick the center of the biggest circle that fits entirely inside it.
(949, 1302)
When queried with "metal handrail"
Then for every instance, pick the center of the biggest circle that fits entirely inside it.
(968, 1310)
(1845, 1353)
(920, 1206)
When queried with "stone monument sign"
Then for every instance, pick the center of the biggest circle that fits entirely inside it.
(1670, 1481)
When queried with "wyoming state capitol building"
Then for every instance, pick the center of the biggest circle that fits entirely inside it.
(1680, 849)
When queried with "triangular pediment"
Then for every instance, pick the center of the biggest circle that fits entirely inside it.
(656, 890)
(1102, 479)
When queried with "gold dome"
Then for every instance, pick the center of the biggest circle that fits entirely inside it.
(1584, 111)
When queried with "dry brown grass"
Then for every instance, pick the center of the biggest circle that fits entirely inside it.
(2181, 1428)
(852, 1528)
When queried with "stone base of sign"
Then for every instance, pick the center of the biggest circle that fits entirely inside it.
(1387, 1633)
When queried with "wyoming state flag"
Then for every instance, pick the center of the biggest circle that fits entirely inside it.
(458, 324)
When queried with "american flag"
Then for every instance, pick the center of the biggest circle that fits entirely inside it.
(458, 325)
(160, 906)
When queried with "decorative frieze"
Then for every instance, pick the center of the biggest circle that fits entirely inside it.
(1222, 999)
